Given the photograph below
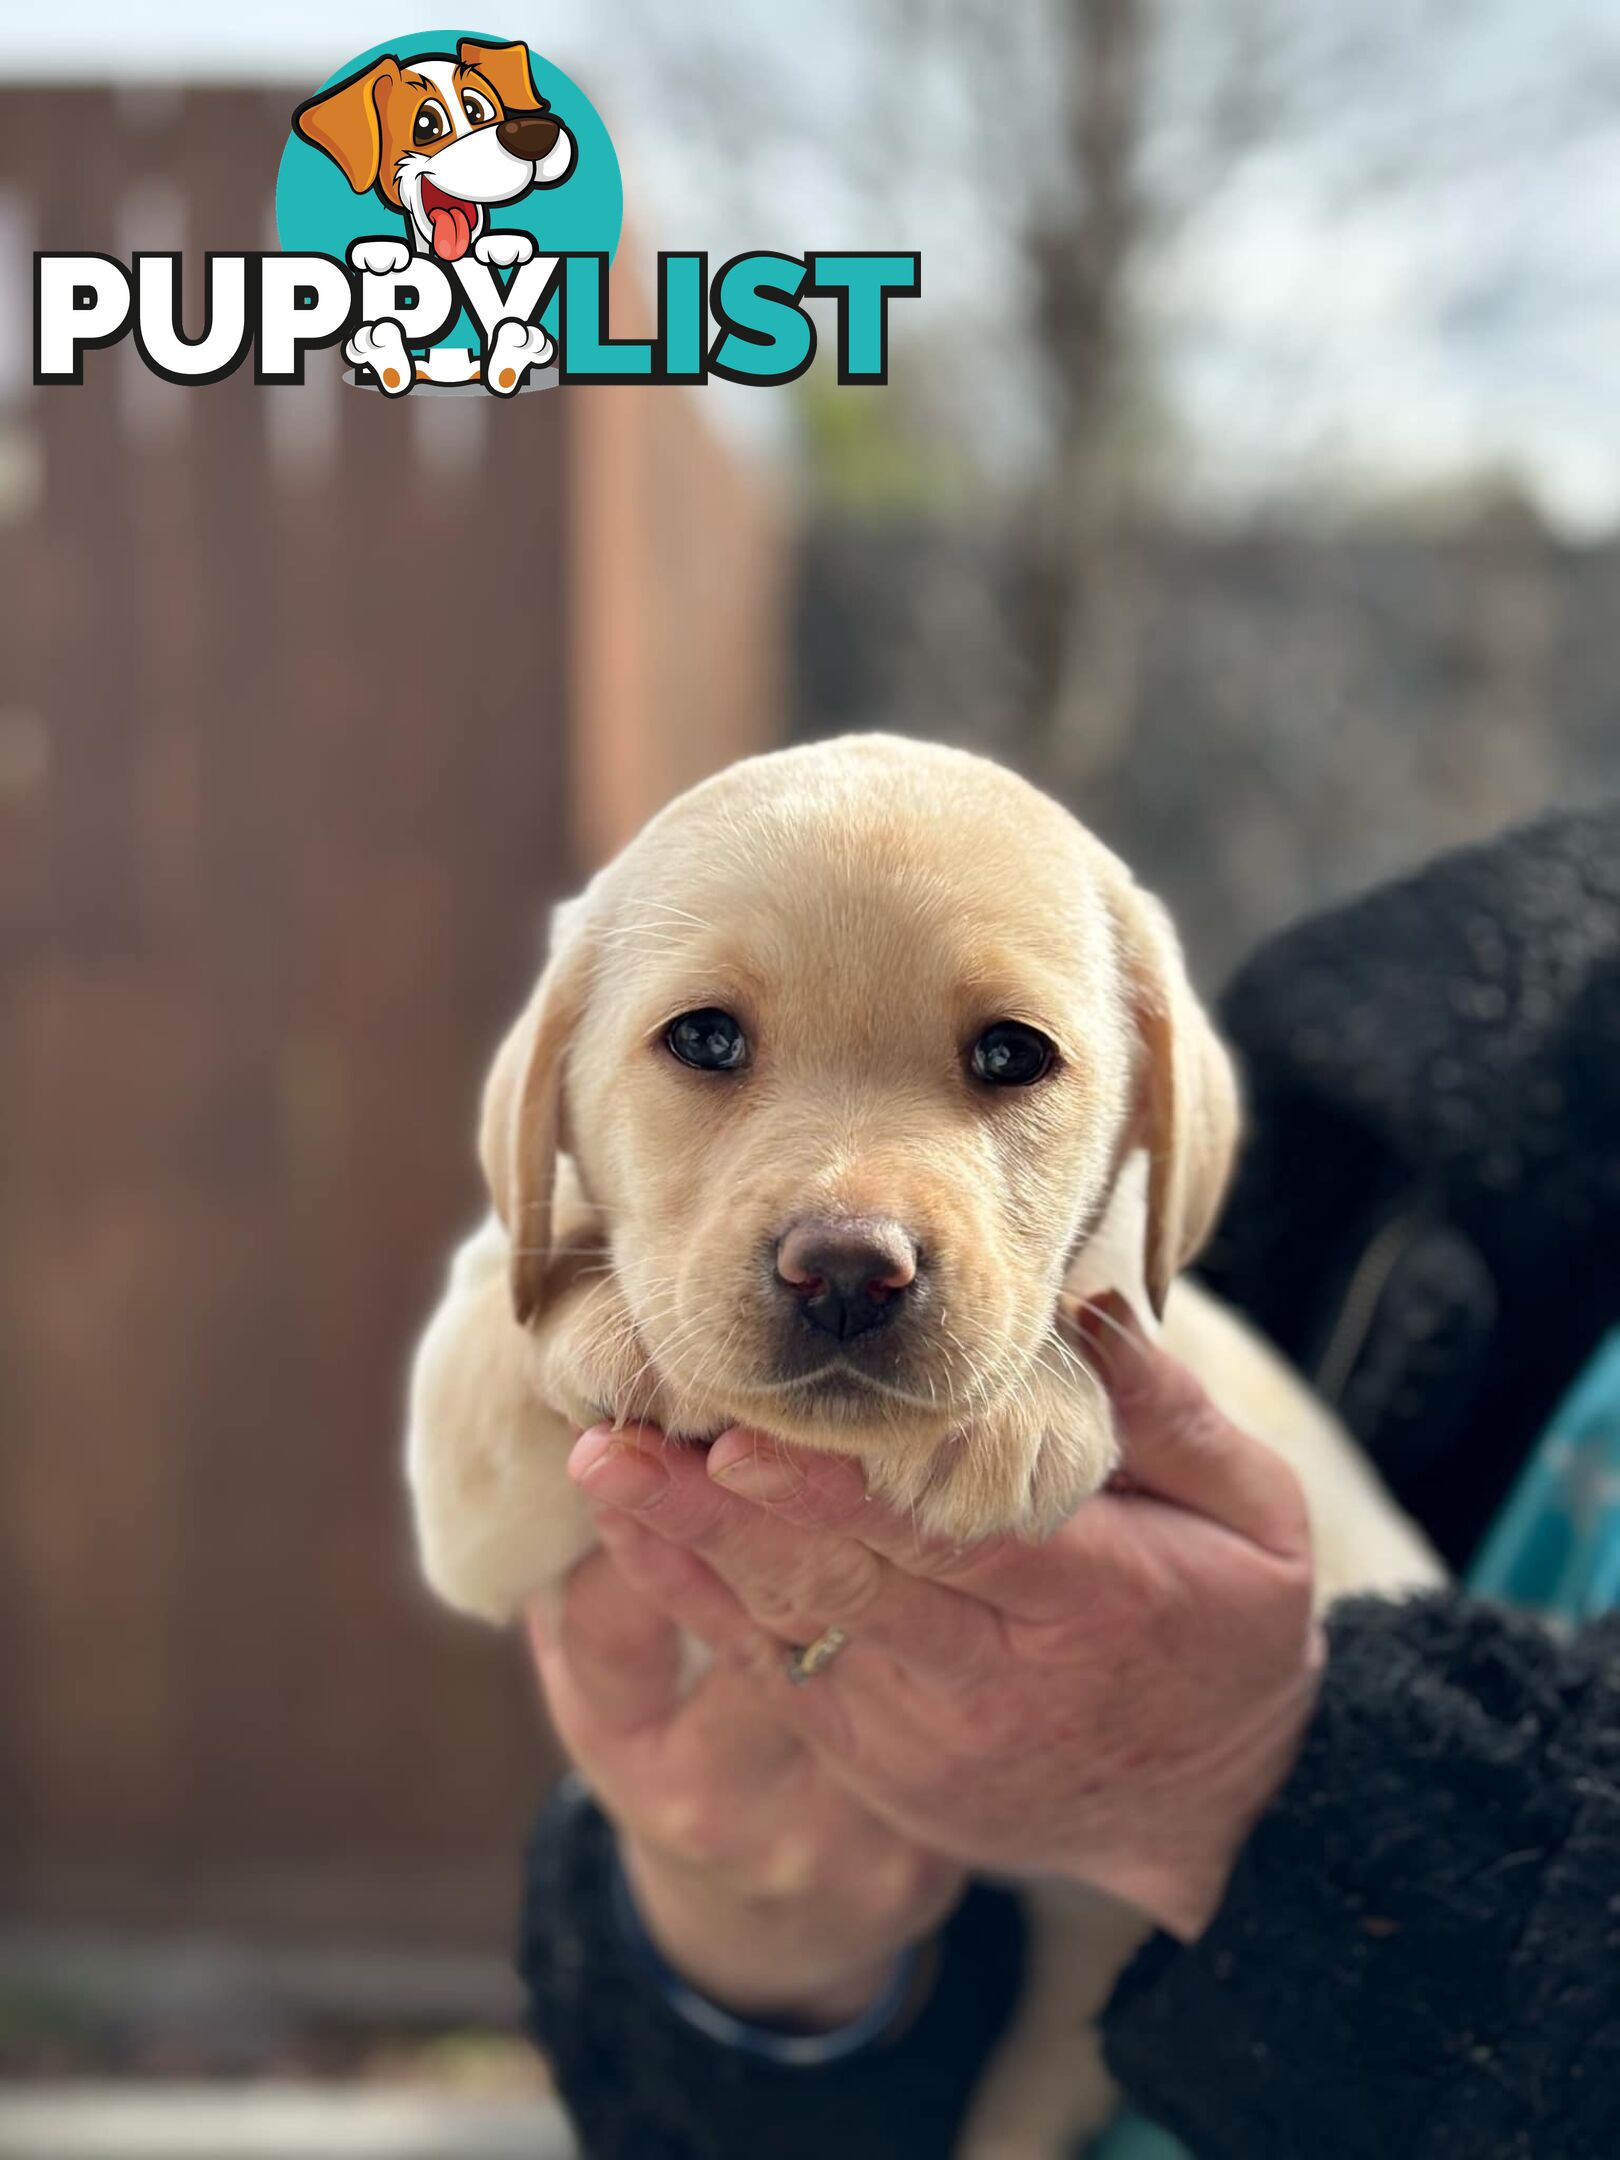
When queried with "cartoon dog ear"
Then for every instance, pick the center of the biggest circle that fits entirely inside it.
(508, 71)
(1187, 1093)
(346, 122)
(521, 1131)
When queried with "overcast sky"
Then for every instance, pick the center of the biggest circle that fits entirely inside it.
(1459, 313)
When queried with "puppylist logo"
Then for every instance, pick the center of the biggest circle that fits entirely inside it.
(448, 205)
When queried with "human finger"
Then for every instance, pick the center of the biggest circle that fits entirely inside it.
(1180, 1448)
(791, 1581)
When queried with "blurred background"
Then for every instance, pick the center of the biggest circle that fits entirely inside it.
(1248, 474)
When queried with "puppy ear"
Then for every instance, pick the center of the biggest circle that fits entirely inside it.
(1187, 1094)
(507, 70)
(346, 123)
(521, 1131)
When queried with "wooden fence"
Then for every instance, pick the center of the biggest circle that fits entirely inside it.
(307, 703)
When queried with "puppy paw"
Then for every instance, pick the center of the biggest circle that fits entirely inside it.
(381, 347)
(513, 350)
(588, 1361)
(1022, 1468)
(504, 250)
(380, 258)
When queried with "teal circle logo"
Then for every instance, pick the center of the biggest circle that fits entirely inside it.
(442, 141)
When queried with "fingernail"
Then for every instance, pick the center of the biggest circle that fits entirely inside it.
(614, 1472)
(759, 1476)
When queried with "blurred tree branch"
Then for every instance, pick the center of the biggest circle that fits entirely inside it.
(1097, 140)
(1082, 253)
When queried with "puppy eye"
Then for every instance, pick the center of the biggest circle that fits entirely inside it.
(432, 121)
(476, 109)
(708, 1041)
(1011, 1055)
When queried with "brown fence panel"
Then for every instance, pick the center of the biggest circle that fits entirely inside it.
(317, 681)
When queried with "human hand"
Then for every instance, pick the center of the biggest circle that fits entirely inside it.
(757, 1874)
(1118, 1704)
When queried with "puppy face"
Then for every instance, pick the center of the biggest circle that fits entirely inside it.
(439, 138)
(849, 1047)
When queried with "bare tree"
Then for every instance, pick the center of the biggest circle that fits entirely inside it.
(1098, 137)
(1082, 253)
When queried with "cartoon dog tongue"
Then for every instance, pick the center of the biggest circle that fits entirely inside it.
(452, 223)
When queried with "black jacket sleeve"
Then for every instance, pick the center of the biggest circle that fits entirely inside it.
(1419, 1951)
(1426, 1214)
(641, 2083)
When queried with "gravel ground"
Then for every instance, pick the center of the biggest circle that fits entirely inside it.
(114, 2048)
(271, 2122)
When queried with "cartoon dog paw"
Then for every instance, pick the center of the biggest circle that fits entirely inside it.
(380, 258)
(515, 347)
(380, 346)
(504, 250)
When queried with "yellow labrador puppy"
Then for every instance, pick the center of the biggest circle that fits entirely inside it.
(845, 1082)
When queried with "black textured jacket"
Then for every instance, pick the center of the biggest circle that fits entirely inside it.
(1419, 1951)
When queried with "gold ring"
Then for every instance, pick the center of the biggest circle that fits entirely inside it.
(802, 1661)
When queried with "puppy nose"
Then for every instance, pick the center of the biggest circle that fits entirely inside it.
(531, 135)
(848, 1276)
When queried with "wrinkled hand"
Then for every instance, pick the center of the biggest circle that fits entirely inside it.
(757, 1874)
(1117, 1705)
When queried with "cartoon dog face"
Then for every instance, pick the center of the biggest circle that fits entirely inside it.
(440, 137)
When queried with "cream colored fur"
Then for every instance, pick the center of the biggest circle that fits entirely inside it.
(866, 908)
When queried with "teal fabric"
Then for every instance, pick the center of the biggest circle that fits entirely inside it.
(1134, 2138)
(1554, 1549)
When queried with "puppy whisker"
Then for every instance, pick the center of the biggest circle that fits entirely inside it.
(1099, 1312)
